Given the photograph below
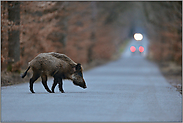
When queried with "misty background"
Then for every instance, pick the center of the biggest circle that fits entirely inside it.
(90, 33)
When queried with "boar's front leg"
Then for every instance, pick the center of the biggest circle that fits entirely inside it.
(44, 82)
(60, 85)
(57, 80)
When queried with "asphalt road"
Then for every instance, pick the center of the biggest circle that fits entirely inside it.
(129, 89)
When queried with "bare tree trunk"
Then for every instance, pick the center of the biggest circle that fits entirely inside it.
(13, 35)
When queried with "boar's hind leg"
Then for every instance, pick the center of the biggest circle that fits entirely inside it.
(44, 82)
(32, 80)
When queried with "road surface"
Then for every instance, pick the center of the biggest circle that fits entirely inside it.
(129, 89)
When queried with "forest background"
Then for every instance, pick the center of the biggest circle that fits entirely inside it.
(91, 33)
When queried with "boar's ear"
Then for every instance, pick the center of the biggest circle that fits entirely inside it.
(78, 67)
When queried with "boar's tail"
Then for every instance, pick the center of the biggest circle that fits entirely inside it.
(25, 72)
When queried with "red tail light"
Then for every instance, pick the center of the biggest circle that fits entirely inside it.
(141, 49)
(132, 48)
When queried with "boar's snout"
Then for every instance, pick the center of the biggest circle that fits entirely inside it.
(81, 84)
(84, 87)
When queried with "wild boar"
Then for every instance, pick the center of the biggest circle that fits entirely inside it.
(59, 66)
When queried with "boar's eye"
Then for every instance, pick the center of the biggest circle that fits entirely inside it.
(80, 74)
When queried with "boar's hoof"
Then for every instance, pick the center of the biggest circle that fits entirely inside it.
(32, 91)
(50, 91)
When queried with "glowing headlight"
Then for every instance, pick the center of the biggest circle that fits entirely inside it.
(138, 36)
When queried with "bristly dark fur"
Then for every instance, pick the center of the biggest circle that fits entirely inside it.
(63, 57)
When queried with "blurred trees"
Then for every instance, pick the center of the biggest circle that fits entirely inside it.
(10, 35)
(13, 33)
(82, 30)
(164, 24)
(88, 31)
